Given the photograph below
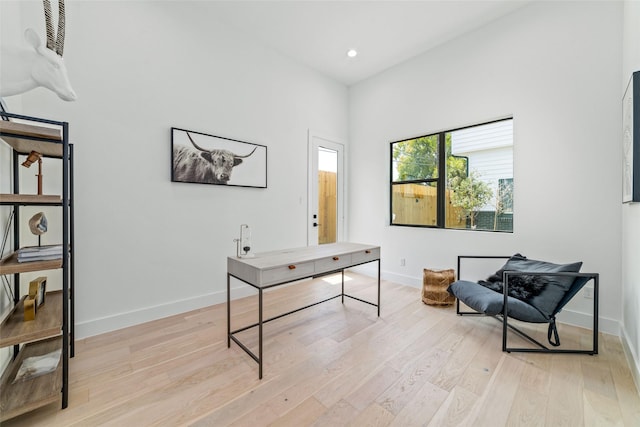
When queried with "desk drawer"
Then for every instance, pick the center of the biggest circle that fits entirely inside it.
(332, 263)
(365, 256)
(287, 272)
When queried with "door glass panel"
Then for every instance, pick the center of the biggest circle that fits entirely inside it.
(327, 195)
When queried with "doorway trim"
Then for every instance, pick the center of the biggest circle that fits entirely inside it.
(316, 139)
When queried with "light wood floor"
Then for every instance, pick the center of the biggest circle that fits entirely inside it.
(336, 364)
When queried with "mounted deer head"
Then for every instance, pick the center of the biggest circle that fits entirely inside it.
(24, 69)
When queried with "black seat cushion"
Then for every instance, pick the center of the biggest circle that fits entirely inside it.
(486, 301)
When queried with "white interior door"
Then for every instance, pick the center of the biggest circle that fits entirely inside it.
(326, 190)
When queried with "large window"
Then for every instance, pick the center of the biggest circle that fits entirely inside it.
(460, 179)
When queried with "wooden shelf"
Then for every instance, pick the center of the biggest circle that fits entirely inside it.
(30, 199)
(25, 138)
(48, 322)
(24, 396)
(10, 265)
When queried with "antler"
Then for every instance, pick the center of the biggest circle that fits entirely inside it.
(246, 155)
(49, 25)
(202, 149)
(61, 22)
(194, 144)
(53, 43)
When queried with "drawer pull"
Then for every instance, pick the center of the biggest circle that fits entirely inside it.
(292, 267)
(367, 251)
(335, 258)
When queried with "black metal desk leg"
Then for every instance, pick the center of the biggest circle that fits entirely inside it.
(378, 288)
(260, 333)
(342, 286)
(228, 310)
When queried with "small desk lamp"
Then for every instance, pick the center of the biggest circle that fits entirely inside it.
(243, 249)
(32, 158)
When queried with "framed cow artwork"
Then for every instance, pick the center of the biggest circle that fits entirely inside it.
(201, 158)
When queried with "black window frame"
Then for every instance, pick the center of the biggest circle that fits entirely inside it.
(441, 180)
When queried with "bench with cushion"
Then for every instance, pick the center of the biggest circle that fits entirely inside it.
(527, 290)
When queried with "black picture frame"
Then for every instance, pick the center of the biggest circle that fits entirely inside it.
(42, 292)
(201, 158)
(38, 290)
(631, 140)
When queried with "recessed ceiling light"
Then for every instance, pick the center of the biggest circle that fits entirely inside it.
(351, 53)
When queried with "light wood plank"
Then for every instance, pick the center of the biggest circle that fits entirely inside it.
(528, 409)
(372, 416)
(10, 265)
(455, 409)
(302, 415)
(18, 136)
(30, 199)
(422, 407)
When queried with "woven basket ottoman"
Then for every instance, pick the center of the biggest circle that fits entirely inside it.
(434, 286)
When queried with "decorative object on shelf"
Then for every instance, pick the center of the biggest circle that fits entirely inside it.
(39, 253)
(33, 157)
(38, 224)
(207, 159)
(434, 286)
(631, 140)
(38, 289)
(26, 68)
(36, 297)
(30, 308)
(38, 365)
(243, 244)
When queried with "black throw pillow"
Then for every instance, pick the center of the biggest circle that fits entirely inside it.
(521, 287)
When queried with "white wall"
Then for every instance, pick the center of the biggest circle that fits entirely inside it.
(554, 66)
(631, 212)
(146, 247)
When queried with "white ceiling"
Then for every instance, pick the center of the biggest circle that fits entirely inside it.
(385, 33)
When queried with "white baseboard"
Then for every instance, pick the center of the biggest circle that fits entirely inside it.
(632, 358)
(123, 320)
(401, 279)
(372, 271)
(585, 320)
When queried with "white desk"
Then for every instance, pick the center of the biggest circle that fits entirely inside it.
(270, 269)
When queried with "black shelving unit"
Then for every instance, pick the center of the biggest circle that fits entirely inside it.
(53, 326)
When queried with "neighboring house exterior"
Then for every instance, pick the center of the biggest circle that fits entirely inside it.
(489, 149)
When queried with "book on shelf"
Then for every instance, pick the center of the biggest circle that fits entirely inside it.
(40, 258)
(41, 249)
(39, 253)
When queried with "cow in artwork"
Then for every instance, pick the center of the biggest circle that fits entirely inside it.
(32, 66)
(204, 166)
